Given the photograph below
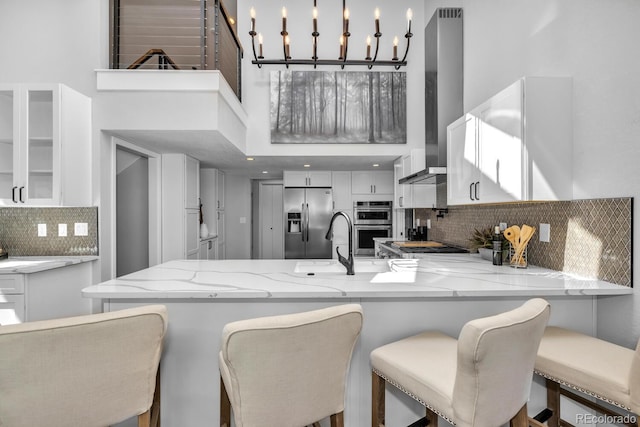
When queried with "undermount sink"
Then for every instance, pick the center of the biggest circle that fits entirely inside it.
(333, 266)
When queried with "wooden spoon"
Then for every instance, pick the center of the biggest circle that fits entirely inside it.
(525, 235)
(512, 234)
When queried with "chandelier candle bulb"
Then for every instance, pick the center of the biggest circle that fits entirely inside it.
(341, 47)
(409, 17)
(368, 47)
(377, 17)
(284, 20)
(395, 48)
(286, 46)
(315, 20)
(260, 45)
(346, 22)
(252, 12)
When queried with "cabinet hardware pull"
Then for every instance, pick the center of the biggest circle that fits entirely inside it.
(13, 194)
(20, 193)
(471, 191)
(477, 184)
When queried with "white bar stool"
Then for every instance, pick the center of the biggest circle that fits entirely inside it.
(481, 379)
(592, 367)
(289, 370)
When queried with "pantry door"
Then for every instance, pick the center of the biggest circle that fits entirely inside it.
(271, 221)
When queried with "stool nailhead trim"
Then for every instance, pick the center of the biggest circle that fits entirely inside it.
(582, 390)
(408, 393)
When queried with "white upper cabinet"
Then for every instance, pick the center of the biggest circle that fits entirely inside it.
(517, 146)
(45, 143)
(307, 178)
(341, 185)
(372, 182)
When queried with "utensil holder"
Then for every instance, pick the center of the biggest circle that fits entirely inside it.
(517, 259)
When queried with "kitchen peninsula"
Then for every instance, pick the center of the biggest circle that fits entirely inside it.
(399, 297)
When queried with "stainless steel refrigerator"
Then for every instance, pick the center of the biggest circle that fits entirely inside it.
(307, 215)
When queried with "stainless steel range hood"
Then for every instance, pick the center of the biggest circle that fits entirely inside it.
(443, 94)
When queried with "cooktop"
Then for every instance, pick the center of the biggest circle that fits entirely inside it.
(442, 249)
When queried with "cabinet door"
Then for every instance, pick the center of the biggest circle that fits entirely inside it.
(319, 179)
(209, 197)
(221, 194)
(462, 172)
(383, 182)
(192, 233)
(406, 189)
(501, 147)
(41, 151)
(11, 309)
(398, 195)
(341, 185)
(192, 179)
(9, 144)
(295, 178)
(362, 182)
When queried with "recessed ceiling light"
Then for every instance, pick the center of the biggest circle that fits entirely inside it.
(375, 165)
(249, 158)
(307, 166)
(265, 171)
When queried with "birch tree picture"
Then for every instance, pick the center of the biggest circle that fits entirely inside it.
(320, 107)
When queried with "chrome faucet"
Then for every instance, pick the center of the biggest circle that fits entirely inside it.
(348, 263)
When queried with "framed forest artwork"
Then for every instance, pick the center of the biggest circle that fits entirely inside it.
(338, 107)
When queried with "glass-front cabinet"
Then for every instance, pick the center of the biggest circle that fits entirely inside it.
(9, 140)
(34, 121)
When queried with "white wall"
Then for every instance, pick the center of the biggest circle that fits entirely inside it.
(594, 42)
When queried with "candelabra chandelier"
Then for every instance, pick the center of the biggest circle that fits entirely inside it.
(342, 60)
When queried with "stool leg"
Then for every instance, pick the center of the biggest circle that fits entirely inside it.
(225, 406)
(377, 400)
(432, 418)
(337, 420)
(521, 419)
(553, 403)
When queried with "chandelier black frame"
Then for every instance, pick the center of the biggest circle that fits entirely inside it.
(342, 60)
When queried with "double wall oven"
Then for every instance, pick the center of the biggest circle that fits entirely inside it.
(371, 219)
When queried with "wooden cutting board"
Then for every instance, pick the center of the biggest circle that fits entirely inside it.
(418, 244)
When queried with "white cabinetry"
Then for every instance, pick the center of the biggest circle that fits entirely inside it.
(372, 182)
(180, 207)
(341, 186)
(209, 249)
(412, 195)
(517, 146)
(307, 178)
(45, 134)
(48, 294)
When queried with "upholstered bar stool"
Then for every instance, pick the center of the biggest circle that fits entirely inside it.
(90, 371)
(576, 366)
(289, 370)
(482, 379)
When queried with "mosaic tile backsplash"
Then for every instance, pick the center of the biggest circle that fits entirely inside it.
(19, 231)
(590, 238)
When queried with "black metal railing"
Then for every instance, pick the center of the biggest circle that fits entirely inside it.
(185, 35)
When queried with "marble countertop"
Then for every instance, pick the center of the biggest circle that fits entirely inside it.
(438, 275)
(35, 264)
